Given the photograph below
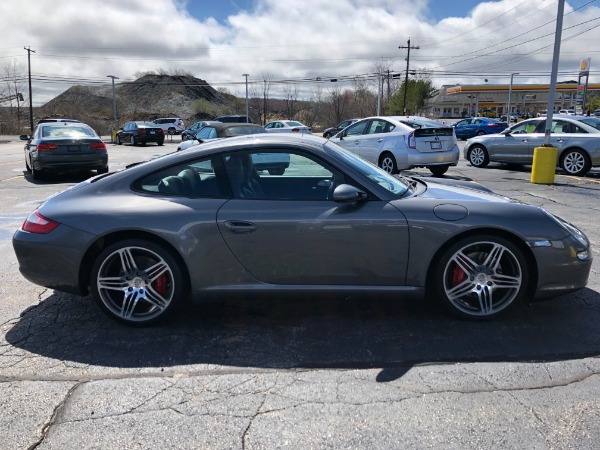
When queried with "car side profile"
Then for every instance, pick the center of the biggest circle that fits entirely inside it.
(139, 132)
(170, 125)
(391, 144)
(329, 132)
(477, 126)
(577, 139)
(147, 239)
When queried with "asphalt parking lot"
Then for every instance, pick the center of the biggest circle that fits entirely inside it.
(322, 372)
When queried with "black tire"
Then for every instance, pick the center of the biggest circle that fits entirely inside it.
(480, 277)
(438, 170)
(171, 131)
(478, 156)
(143, 143)
(35, 173)
(132, 141)
(276, 171)
(142, 285)
(27, 167)
(119, 140)
(161, 142)
(327, 135)
(388, 163)
(103, 170)
(575, 162)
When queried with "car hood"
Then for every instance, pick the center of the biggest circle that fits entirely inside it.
(459, 190)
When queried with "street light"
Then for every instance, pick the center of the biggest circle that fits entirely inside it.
(116, 121)
(509, 94)
(246, 75)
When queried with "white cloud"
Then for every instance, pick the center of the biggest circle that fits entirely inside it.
(89, 39)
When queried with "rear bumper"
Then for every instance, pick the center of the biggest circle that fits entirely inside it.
(70, 162)
(415, 158)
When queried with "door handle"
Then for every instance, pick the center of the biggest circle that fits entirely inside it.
(380, 140)
(240, 226)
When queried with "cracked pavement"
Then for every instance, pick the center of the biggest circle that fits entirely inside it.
(250, 373)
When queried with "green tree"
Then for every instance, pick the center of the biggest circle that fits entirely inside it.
(417, 92)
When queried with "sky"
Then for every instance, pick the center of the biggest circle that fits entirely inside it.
(301, 45)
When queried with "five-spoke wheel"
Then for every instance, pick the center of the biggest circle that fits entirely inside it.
(480, 277)
(136, 282)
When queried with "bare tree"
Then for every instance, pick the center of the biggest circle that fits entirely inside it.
(290, 93)
(15, 82)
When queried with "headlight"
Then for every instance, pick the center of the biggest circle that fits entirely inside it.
(572, 229)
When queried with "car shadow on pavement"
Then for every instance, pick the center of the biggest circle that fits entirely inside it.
(320, 332)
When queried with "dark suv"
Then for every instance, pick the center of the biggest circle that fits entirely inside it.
(234, 119)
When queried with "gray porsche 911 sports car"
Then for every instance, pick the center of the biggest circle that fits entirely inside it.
(148, 238)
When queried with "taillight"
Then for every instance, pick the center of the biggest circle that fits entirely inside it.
(295, 130)
(46, 147)
(410, 140)
(141, 131)
(98, 146)
(36, 223)
(160, 131)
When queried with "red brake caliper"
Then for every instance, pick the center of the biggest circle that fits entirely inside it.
(458, 275)
(161, 284)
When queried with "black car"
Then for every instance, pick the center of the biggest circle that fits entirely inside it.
(140, 133)
(339, 127)
(190, 133)
(218, 130)
(233, 119)
(64, 146)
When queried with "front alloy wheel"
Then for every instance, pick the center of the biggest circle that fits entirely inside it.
(136, 282)
(481, 277)
(478, 156)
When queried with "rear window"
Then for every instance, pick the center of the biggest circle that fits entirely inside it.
(592, 122)
(429, 132)
(61, 132)
(236, 131)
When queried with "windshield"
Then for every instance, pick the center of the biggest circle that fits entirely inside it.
(395, 186)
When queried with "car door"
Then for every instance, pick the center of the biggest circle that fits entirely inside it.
(295, 234)
(352, 136)
(463, 128)
(517, 145)
(374, 139)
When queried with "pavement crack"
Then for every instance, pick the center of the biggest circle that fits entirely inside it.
(55, 413)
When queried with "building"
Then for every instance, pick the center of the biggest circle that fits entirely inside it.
(455, 101)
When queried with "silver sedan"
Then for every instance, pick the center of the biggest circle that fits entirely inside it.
(577, 139)
(209, 220)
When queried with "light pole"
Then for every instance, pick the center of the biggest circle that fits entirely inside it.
(116, 121)
(246, 75)
(29, 52)
(509, 94)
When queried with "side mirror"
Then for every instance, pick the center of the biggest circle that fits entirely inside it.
(346, 193)
(24, 137)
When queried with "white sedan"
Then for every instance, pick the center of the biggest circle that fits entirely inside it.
(287, 126)
(393, 145)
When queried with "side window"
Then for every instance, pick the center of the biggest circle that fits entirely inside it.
(192, 179)
(268, 126)
(206, 132)
(462, 123)
(577, 129)
(478, 121)
(280, 175)
(356, 129)
(377, 126)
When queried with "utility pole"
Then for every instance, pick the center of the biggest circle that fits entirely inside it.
(407, 64)
(116, 120)
(29, 51)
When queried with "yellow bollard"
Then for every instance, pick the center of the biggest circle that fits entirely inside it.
(114, 136)
(544, 165)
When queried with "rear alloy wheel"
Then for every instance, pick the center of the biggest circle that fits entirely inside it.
(438, 170)
(478, 156)
(480, 277)
(132, 141)
(35, 173)
(137, 282)
(575, 162)
(388, 163)
(27, 166)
